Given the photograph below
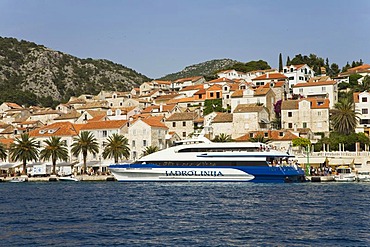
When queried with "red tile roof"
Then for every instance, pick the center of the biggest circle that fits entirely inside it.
(270, 76)
(313, 84)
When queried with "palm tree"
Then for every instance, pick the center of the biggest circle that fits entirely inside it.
(344, 118)
(222, 138)
(116, 147)
(54, 149)
(24, 149)
(150, 150)
(259, 138)
(84, 143)
(3, 152)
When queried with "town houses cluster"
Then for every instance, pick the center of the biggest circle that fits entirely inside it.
(159, 113)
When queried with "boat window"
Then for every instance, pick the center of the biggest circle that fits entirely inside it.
(220, 149)
(206, 163)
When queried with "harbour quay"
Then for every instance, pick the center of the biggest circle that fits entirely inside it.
(82, 178)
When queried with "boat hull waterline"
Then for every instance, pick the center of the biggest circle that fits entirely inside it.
(155, 173)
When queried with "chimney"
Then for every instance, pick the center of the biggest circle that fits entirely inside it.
(161, 107)
(267, 75)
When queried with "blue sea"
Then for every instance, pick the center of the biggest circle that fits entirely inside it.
(184, 214)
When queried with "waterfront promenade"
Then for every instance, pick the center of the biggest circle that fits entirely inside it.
(82, 178)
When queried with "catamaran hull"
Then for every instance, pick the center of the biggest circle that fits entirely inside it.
(148, 173)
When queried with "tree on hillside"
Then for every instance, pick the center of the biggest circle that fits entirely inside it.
(364, 85)
(54, 149)
(280, 63)
(116, 147)
(301, 143)
(212, 105)
(24, 149)
(250, 66)
(84, 143)
(344, 118)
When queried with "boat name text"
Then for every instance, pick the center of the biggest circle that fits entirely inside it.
(194, 173)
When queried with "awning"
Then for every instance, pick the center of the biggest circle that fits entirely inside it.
(339, 161)
(66, 164)
(311, 160)
(6, 166)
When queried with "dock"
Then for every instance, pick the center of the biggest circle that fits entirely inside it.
(82, 178)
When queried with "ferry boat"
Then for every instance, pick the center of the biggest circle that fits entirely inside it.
(203, 161)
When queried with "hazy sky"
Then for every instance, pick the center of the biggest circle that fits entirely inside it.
(158, 37)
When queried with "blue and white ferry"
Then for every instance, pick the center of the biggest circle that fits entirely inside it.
(200, 160)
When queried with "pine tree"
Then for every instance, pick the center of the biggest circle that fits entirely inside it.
(280, 63)
(288, 61)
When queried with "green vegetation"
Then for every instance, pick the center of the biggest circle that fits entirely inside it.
(24, 149)
(349, 141)
(344, 118)
(301, 142)
(250, 66)
(150, 150)
(213, 105)
(85, 143)
(223, 138)
(116, 147)
(3, 152)
(55, 149)
(30, 73)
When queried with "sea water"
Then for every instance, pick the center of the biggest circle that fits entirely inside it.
(184, 214)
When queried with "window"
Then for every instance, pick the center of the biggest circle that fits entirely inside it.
(133, 143)
(319, 125)
(291, 78)
(173, 124)
(301, 90)
(281, 133)
(227, 96)
(184, 124)
(183, 134)
(105, 133)
(266, 134)
(290, 114)
(304, 125)
(290, 125)
(364, 99)
(285, 70)
(365, 111)
(211, 95)
(251, 135)
(319, 113)
(144, 143)
(323, 89)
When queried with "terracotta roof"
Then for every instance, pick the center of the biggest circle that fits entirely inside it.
(222, 79)
(261, 91)
(182, 116)
(241, 108)
(163, 82)
(315, 103)
(166, 97)
(214, 87)
(200, 91)
(223, 118)
(270, 76)
(154, 122)
(165, 108)
(274, 135)
(313, 84)
(237, 93)
(55, 129)
(70, 115)
(7, 142)
(192, 87)
(359, 68)
(13, 105)
(289, 104)
(110, 124)
(195, 78)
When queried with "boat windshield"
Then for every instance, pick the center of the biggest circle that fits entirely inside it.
(344, 170)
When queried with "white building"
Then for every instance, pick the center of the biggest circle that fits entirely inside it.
(298, 73)
(305, 113)
(320, 89)
(362, 106)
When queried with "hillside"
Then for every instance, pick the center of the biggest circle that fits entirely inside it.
(32, 71)
(206, 69)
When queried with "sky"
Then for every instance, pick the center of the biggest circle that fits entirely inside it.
(159, 37)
